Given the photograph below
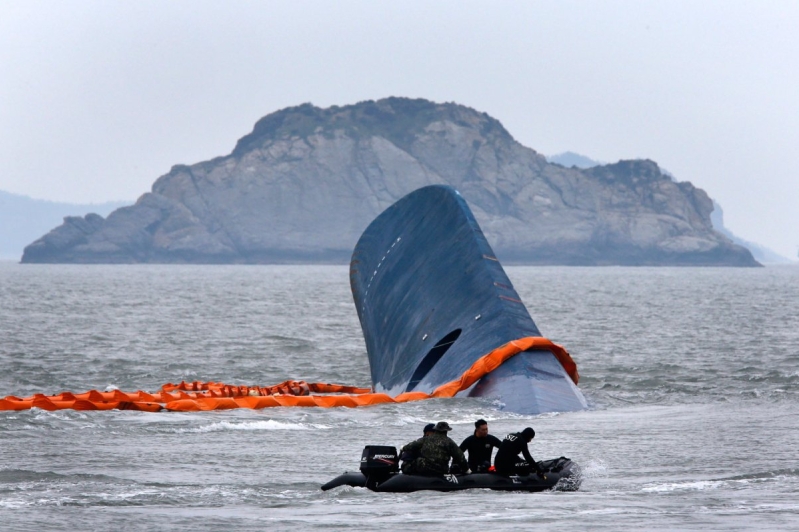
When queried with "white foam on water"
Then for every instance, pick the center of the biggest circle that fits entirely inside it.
(13, 504)
(709, 484)
(270, 424)
(593, 469)
(684, 486)
(603, 511)
(403, 421)
(127, 495)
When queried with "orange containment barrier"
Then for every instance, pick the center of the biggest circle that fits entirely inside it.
(201, 396)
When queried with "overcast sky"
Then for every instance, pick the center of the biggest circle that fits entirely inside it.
(98, 99)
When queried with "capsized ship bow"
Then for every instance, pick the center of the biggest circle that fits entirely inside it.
(432, 298)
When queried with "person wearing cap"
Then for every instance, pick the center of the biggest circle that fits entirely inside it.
(408, 458)
(508, 461)
(480, 445)
(433, 453)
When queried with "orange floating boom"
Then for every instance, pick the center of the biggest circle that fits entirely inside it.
(201, 396)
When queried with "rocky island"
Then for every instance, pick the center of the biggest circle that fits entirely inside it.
(304, 184)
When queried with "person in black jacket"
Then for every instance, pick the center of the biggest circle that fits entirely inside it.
(480, 446)
(508, 461)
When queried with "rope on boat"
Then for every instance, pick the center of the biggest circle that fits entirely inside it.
(202, 396)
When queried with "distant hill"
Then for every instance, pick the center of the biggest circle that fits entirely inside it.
(569, 159)
(23, 219)
(305, 183)
(761, 253)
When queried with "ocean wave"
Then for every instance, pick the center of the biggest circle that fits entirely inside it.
(694, 485)
(269, 424)
(19, 476)
(737, 482)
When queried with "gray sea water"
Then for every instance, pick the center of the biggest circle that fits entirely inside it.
(692, 375)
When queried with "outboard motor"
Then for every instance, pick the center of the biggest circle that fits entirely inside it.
(378, 463)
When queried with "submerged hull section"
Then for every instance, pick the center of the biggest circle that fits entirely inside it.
(432, 298)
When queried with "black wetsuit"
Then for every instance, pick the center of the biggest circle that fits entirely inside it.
(508, 462)
(480, 451)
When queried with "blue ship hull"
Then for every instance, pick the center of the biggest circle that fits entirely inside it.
(432, 299)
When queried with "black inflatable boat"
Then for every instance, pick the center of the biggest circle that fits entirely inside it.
(379, 471)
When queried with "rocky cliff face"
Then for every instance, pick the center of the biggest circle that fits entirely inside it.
(307, 181)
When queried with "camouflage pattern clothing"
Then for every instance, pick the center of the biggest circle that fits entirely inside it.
(432, 455)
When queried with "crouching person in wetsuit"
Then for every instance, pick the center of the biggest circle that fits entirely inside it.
(433, 453)
(508, 461)
(480, 445)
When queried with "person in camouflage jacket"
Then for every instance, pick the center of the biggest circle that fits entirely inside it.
(433, 453)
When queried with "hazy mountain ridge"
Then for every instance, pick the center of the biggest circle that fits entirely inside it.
(24, 219)
(760, 253)
(570, 158)
(306, 181)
